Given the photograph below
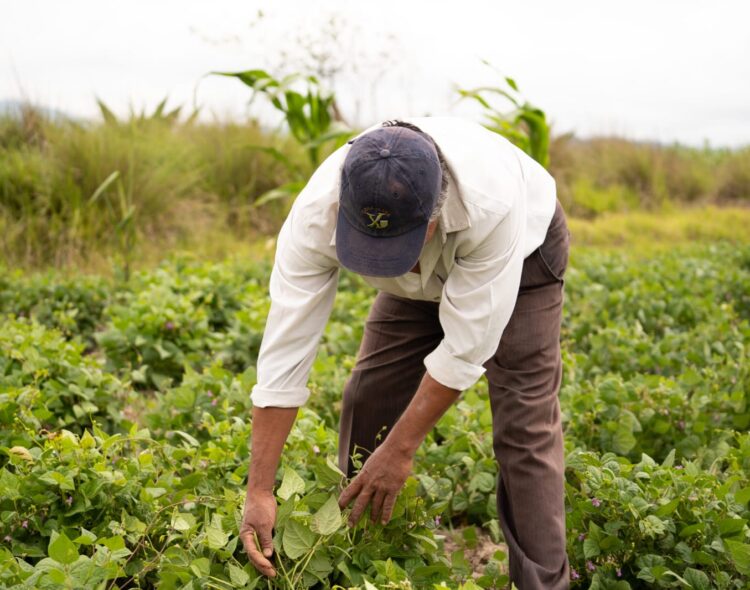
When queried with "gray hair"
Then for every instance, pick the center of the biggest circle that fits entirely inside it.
(441, 158)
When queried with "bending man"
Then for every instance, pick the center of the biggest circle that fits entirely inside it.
(463, 237)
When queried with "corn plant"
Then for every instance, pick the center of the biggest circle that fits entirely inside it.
(525, 124)
(311, 115)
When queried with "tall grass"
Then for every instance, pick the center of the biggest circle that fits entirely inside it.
(615, 175)
(179, 178)
(193, 186)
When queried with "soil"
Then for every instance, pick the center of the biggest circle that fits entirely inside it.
(480, 554)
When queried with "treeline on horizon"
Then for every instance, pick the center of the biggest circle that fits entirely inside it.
(72, 190)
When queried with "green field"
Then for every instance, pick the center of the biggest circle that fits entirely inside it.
(125, 411)
(133, 295)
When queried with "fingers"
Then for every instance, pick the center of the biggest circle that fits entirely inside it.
(259, 561)
(376, 505)
(388, 503)
(266, 542)
(363, 499)
(350, 492)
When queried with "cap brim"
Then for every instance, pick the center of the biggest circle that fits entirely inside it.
(387, 256)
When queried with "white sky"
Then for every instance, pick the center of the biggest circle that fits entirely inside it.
(667, 70)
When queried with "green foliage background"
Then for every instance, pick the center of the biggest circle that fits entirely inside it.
(185, 185)
(125, 411)
(124, 396)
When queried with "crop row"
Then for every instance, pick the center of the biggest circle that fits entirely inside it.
(125, 412)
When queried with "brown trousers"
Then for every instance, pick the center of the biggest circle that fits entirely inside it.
(524, 381)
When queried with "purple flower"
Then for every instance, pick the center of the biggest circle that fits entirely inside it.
(25, 523)
(590, 566)
(574, 575)
(7, 538)
(214, 402)
(581, 537)
(316, 449)
(681, 425)
(596, 502)
(678, 467)
(169, 326)
(619, 572)
(69, 500)
(437, 520)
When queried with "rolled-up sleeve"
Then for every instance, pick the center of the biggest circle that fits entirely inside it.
(302, 288)
(477, 301)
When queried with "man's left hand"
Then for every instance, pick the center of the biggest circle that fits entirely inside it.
(378, 484)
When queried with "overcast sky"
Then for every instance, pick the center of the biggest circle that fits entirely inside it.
(666, 70)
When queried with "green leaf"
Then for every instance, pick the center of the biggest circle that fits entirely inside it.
(183, 521)
(669, 459)
(117, 546)
(191, 440)
(697, 579)
(85, 538)
(320, 565)
(692, 529)
(215, 534)
(741, 555)
(297, 539)
(201, 567)
(103, 186)
(238, 576)
(327, 520)
(329, 474)
(64, 481)
(482, 482)
(291, 483)
(731, 526)
(108, 116)
(668, 508)
(10, 484)
(623, 441)
(742, 496)
(290, 189)
(152, 493)
(590, 548)
(57, 576)
(62, 549)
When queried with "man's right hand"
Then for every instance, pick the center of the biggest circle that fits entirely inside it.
(258, 518)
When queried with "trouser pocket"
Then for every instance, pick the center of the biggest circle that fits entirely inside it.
(555, 249)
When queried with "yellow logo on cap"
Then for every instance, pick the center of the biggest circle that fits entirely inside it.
(378, 218)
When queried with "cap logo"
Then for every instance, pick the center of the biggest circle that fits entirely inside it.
(378, 218)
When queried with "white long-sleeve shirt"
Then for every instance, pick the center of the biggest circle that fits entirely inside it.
(500, 203)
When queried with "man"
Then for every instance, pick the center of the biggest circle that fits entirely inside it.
(462, 235)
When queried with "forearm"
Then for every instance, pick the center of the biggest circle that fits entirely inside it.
(271, 428)
(430, 402)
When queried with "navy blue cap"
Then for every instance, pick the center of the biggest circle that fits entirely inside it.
(390, 183)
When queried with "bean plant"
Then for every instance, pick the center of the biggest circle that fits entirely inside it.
(126, 418)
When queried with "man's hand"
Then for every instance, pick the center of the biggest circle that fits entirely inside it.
(271, 426)
(386, 470)
(378, 484)
(258, 518)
